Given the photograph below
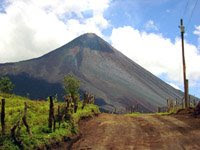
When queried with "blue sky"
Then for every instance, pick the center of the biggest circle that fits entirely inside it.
(165, 13)
(146, 31)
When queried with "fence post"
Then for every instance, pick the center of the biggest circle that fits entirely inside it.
(189, 101)
(158, 109)
(24, 119)
(194, 102)
(51, 113)
(182, 103)
(59, 116)
(167, 104)
(3, 116)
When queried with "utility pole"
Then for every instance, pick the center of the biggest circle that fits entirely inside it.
(182, 29)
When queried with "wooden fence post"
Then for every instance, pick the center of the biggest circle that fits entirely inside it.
(13, 135)
(24, 119)
(167, 104)
(75, 103)
(176, 103)
(194, 103)
(3, 116)
(59, 116)
(189, 101)
(51, 113)
(158, 109)
(182, 103)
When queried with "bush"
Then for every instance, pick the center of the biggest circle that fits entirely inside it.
(6, 86)
(71, 85)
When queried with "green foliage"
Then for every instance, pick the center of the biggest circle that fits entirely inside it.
(37, 118)
(71, 87)
(71, 84)
(6, 86)
(8, 144)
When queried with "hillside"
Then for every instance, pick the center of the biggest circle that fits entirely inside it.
(37, 118)
(116, 81)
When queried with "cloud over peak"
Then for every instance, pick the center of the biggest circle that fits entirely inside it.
(31, 28)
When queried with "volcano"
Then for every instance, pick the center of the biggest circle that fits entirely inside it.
(116, 81)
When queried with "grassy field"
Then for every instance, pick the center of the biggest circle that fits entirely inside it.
(37, 118)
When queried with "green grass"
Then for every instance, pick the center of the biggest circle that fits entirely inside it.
(136, 114)
(164, 113)
(37, 118)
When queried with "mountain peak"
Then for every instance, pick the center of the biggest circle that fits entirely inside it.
(93, 42)
(90, 35)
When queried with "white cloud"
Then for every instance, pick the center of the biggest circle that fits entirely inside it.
(197, 32)
(174, 85)
(31, 28)
(150, 25)
(157, 54)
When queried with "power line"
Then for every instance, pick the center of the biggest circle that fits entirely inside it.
(186, 6)
(192, 14)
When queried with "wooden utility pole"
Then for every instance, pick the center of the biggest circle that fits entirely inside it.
(182, 29)
(187, 93)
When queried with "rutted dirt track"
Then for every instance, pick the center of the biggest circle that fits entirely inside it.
(119, 132)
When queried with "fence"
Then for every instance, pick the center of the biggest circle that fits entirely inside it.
(176, 104)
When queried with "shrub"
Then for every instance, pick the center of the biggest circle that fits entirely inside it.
(6, 86)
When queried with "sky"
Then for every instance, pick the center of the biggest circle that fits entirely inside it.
(146, 31)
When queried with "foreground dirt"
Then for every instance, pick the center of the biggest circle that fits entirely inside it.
(154, 132)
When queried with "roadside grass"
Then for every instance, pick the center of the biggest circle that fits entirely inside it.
(164, 113)
(136, 114)
(37, 118)
(172, 111)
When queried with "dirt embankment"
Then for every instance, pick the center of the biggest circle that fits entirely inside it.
(119, 132)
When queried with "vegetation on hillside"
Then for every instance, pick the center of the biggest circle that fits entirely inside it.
(71, 85)
(37, 118)
(6, 86)
(71, 88)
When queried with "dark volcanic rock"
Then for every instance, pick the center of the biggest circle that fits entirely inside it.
(116, 81)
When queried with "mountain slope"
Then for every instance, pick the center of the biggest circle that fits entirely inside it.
(115, 80)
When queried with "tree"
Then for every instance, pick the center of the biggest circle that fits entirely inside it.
(6, 86)
(71, 87)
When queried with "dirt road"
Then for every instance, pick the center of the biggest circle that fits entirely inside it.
(143, 132)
